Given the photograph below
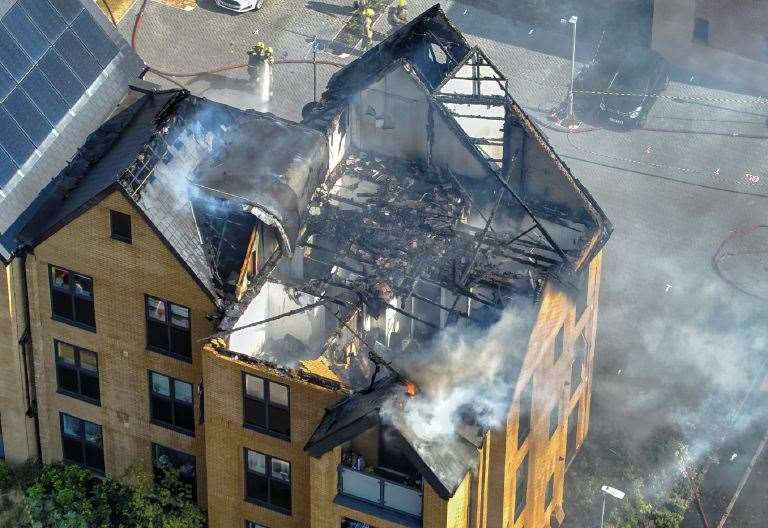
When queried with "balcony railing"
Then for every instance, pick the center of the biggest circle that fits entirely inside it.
(380, 491)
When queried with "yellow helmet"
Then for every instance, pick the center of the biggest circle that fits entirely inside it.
(260, 44)
(270, 51)
(369, 12)
(402, 3)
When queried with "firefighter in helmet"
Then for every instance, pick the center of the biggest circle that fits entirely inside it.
(401, 13)
(368, 15)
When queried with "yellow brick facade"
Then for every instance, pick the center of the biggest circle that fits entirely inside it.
(122, 275)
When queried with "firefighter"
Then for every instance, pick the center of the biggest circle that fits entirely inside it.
(368, 15)
(401, 13)
(261, 52)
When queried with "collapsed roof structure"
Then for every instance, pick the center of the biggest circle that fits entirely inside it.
(415, 198)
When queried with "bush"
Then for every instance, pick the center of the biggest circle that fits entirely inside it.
(7, 478)
(67, 496)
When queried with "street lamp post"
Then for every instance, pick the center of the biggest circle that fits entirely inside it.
(613, 492)
(573, 21)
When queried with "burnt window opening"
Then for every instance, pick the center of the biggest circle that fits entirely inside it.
(393, 462)
(573, 424)
(72, 298)
(267, 481)
(253, 524)
(550, 491)
(169, 462)
(524, 420)
(554, 417)
(120, 224)
(558, 345)
(77, 372)
(82, 443)
(266, 406)
(171, 403)
(521, 487)
(701, 30)
(577, 368)
(168, 328)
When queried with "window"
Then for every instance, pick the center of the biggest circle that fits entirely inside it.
(550, 492)
(165, 459)
(251, 524)
(701, 29)
(266, 406)
(577, 367)
(77, 372)
(121, 226)
(82, 443)
(554, 416)
(267, 481)
(168, 328)
(2, 443)
(558, 345)
(72, 298)
(521, 487)
(524, 423)
(171, 403)
(573, 423)
(351, 523)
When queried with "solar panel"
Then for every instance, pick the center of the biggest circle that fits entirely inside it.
(12, 56)
(21, 27)
(28, 116)
(94, 38)
(69, 9)
(13, 139)
(50, 52)
(79, 59)
(7, 167)
(41, 91)
(6, 83)
(62, 78)
(45, 17)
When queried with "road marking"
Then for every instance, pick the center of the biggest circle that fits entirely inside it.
(743, 481)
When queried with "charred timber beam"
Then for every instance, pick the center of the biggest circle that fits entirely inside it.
(476, 116)
(444, 308)
(491, 100)
(488, 141)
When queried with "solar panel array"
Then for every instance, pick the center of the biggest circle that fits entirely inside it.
(50, 52)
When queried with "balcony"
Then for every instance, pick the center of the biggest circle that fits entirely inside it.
(379, 496)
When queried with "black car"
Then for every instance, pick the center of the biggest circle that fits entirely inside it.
(640, 76)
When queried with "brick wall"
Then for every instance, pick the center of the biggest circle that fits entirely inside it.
(122, 274)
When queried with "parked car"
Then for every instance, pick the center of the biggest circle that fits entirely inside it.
(641, 75)
(240, 6)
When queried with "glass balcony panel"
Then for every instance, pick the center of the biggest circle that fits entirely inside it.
(360, 485)
(403, 499)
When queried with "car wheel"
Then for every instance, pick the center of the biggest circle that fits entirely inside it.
(259, 4)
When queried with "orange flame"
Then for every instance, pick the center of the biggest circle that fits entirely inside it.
(410, 388)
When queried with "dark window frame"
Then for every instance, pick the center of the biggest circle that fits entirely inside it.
(521, 496)
(77, 369)
(549, 491)
(173, 452)
(267, 403)
(83, 443)
(572, 432)
(169, 325)
(525, 410)
(268, 476)
(73, 296)
(171, 398)
(701, 28)
(120, 216)
(253, 524)
(581, 351)
(554, 419)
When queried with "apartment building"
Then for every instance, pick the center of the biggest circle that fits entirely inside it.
(725, 39)
(63, 70)
(382, 316)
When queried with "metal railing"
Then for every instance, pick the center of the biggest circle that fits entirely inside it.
(380, 491)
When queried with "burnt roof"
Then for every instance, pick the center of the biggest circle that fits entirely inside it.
(443, 463)
(147, 152)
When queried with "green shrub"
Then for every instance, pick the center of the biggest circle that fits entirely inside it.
(7, 478)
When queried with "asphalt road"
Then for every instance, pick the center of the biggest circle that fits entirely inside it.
(674, 192)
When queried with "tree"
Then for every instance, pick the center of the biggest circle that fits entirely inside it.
(67, 496)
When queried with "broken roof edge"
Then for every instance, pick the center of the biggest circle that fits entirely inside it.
(295, 374)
